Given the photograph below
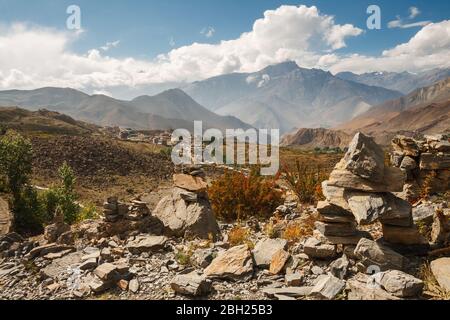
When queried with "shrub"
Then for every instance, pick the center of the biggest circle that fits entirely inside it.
(87, 213)
(298, 230)
(305, 181)
(239, 236)
(235, 196)
(15, 168)
(62, 196)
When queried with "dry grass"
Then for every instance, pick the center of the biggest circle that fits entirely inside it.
(432, 287)
(298, 230)
(239, 236)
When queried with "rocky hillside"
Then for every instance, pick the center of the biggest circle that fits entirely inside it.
(316, 138)
(43, 121)
(421, 98)
(362, 243)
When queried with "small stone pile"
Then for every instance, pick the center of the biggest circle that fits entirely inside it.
(426, 163)
(113, 210)
(187, 212)
(359, 192)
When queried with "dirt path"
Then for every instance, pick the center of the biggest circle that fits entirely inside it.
(5, 217)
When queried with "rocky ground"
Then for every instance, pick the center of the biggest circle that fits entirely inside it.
(177, 250)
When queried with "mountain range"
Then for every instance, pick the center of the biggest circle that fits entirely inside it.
(170, 109)
(286, 96)
(405, 82)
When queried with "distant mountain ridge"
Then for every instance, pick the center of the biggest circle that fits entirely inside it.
(170, 109)
(404, 82)
(286, 96)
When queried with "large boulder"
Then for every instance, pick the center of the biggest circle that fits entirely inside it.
(234, 264)
(266, 249)
(182, 217)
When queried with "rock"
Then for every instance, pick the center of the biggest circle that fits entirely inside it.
(441, 271)
(58, 268)
(316, 270)
(335, 196)
(431, 161)
(134, 285)
(5, 217)
(98, 285)
(294, 292)
(146, 243)
(366, 207)
(190, 183)
(235, 264)
(348, 240)
(403, 235)
(203, 257)
(332, 213)
(363, 287)
(46, 249)
(191, 284)
(364, 158)
(89, 264)
(327, 287)
(293, 280)
(408, 163)
(339, 267)
(405, 145)
(375, 254)
(315, 249)
(266, 249)
(279, 260)
(336, 229)
(396, 159)
(106, 272)
(398, 213)
(440, 229)
(182, 218)
(123, 284)
(394, 181)
(424, 213)
(399, 284)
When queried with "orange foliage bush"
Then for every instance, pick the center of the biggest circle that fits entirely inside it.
(235, 196)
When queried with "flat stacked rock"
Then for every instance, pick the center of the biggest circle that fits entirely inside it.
(425, 162)
(359, 192)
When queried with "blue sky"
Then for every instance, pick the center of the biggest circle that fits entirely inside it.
(146, 27)
(148, 35)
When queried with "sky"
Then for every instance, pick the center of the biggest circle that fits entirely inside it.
(123, 47)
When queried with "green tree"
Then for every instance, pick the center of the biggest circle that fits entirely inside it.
(16, 156)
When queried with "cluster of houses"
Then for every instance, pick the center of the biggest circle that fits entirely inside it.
(154, 137)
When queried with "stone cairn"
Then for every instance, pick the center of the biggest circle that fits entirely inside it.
(426, 163)
(113, 210)
(360, 192)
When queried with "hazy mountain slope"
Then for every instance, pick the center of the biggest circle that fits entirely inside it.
(312, 138)
(169, 110)
(438, 92)
(404, 82)
(286, 96)
(43, 121)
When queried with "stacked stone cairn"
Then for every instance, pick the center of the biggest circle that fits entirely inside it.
(426, 163)
(360, 192)
(113, 210)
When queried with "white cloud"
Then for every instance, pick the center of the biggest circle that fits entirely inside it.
(413, 12)
(208, 32)
(429, 48)
(298, 33)
(110, 45)
(400, 23)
